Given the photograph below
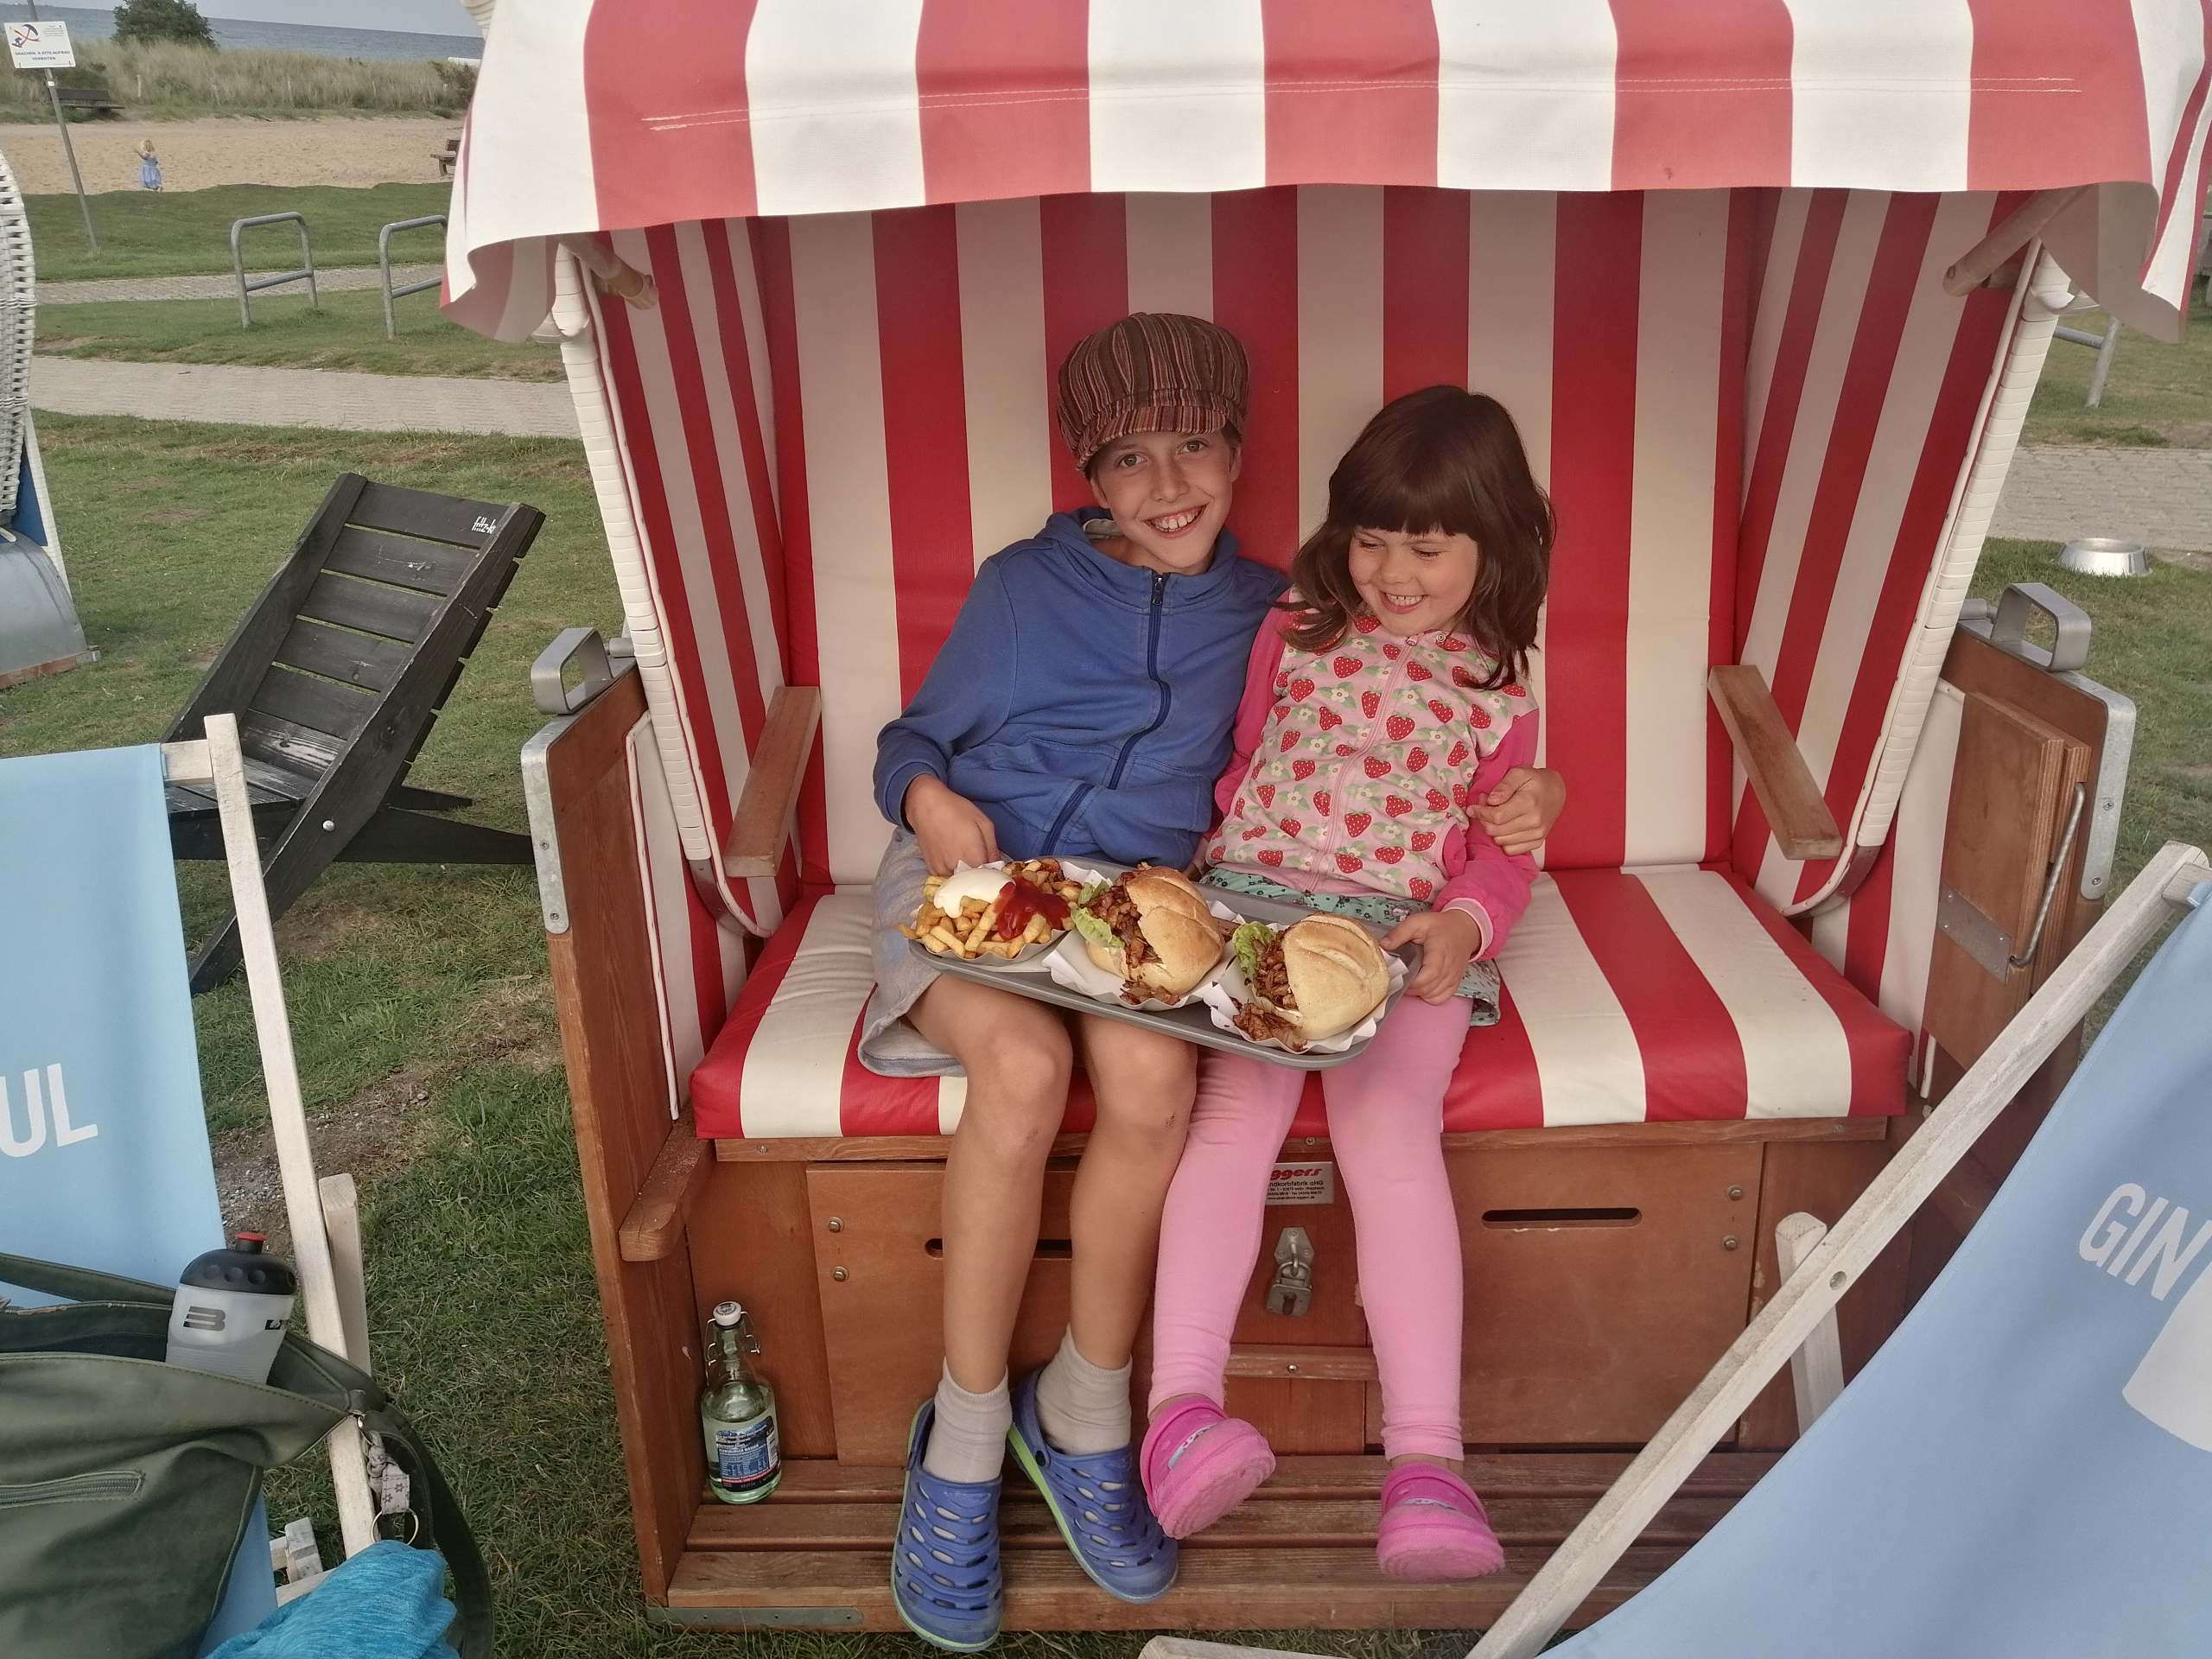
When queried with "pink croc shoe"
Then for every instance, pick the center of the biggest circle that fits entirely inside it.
(1198, 1465)
(1434, 1531)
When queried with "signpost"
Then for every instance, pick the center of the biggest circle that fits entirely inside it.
(45, 46)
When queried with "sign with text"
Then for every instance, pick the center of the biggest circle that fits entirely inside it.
(41, 45)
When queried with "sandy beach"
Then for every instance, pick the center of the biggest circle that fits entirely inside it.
(220, 150)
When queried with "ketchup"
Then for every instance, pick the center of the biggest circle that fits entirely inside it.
(1020, 900)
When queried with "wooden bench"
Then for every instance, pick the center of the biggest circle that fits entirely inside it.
(89, 99)
(449, 157)
(337, 674)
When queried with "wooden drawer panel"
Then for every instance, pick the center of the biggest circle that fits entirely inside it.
(1600, 1286)
(880, 1322)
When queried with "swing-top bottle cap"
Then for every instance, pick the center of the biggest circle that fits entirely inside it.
(727, 1314)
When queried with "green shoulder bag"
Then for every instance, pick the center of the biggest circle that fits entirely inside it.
(126, 1483)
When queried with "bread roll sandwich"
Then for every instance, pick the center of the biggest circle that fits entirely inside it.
(1152, 929)
(1310, 981)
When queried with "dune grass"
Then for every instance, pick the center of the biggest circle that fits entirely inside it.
(164, 79)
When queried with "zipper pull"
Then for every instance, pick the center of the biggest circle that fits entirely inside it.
(1158, 588)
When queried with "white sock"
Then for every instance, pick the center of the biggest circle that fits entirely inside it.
(968, 1439)
(1082, 1407)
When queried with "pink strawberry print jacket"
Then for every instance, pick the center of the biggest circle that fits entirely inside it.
(1356, 770)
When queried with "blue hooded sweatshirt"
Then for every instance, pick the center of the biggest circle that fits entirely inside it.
(1083, 704)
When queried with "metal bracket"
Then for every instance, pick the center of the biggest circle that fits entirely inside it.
(1959, 921)
(1292, 1292)
(2018, 604)
(544, 842)
(549, 687)
(2050, 883)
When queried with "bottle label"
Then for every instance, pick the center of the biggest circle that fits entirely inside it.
(746, 1457)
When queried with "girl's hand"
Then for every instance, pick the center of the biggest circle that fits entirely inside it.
(952, 829)
(1448, 941)
(1520, 812)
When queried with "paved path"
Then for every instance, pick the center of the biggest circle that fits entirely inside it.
(225, 287)
(2161, 498)
(256, 396)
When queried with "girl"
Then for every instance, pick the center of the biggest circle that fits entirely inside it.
(1081, 705)
(149, 165)
(1384, 700)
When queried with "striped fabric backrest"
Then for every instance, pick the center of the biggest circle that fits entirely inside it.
(917, 377)
(828, 421)
(1866, 390)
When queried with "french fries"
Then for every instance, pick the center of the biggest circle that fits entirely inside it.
(969, 935)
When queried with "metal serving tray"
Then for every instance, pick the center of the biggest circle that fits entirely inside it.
(1193, 1024)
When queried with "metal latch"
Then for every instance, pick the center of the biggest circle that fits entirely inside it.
(1292, 1292)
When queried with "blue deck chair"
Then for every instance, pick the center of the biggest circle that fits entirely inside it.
(2024, 1469)
(103, 1155)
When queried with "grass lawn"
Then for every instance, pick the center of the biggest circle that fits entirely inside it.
(424, 1021)
(345, 333)
(2157, 395)
(187, 232)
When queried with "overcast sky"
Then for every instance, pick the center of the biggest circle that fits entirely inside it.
(427, 17)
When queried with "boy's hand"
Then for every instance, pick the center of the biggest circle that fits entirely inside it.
(952, 829)
(1520, 812)
(1448, 941)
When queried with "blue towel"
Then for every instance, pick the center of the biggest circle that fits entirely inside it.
(387, 1603)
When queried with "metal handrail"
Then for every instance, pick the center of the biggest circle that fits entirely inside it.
(238, 263)
(384, 265)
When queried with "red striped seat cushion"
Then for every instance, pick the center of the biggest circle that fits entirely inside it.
(1651, 994)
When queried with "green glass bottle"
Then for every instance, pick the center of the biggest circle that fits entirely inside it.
(737, 1411)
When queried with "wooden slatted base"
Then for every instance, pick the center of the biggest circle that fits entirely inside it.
(1300, 1555)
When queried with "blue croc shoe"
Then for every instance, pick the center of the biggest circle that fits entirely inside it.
(945, 1579)
(1098, 1503)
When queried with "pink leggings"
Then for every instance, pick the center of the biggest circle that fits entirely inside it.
(1386, 1126)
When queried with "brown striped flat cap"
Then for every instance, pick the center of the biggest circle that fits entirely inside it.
(1151, 371)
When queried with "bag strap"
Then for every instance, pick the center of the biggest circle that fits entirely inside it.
(444, 1528)
(79, 1284)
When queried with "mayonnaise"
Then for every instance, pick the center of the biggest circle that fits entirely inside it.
(983, 883)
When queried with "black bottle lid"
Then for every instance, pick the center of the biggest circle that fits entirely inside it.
(243, 1267)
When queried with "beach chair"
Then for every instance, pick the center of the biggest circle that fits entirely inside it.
(1774, 376)
(104, 1154)
(336, 675)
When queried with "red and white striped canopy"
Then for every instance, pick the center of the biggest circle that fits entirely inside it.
(611, 115)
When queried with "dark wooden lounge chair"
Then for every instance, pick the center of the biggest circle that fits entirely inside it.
(336, 675)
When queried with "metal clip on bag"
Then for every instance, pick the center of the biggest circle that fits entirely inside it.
(126, 1483)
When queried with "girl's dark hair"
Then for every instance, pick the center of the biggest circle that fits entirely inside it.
(1440, 459)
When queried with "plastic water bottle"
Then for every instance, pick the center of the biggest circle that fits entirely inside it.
(737, 1412)
(230, 1311)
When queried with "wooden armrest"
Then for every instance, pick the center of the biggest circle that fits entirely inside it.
(1802, 825)
(764, 811)
(658, 1214)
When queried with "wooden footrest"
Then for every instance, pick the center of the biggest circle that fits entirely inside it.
(1300, 1554)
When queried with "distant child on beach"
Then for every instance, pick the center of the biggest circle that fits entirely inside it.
(149, 165)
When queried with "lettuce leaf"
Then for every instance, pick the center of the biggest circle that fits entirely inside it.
(1249, 939)
(1091, 926)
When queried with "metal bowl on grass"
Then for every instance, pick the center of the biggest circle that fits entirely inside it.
(2103, 556)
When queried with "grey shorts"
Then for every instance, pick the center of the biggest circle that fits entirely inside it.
(889, 1046)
